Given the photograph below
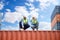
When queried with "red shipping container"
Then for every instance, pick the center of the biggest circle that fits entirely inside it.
(29, 35)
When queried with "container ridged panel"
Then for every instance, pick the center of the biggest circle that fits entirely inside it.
(29, 35)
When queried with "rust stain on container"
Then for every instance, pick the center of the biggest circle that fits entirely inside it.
(29, 35)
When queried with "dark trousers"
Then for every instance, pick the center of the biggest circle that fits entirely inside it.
(25, 25)
(20, 24)
(35, 26)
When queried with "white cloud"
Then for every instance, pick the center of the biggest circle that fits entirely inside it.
(44, 4)
(12, 17)
(1, 15)
(22, 10)
(34, 14)
(1, 6)
(29, 4)
(10, 28)
(55, 2)
(44, 26)
(42, 1)
(33, 10)
(17, 15)
(8, 10)
(30, 0)
(32, 7)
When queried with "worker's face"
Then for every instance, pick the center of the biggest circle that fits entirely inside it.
(24, 17)
(33, 18)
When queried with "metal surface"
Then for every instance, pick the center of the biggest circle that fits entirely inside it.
(55, 20)
(55, 24)
(29, 35)
(55, 11)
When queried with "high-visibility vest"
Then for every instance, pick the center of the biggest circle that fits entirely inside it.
(25, 21)
(34, 21)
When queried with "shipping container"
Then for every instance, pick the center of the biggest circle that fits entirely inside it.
(29, 35)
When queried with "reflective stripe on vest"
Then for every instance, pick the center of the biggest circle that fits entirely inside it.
(34, 21)
(25, 21)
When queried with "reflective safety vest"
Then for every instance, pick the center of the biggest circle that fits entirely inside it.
(25, 21)
(34, 21)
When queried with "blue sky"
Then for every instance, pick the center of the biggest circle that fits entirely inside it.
(11, 12)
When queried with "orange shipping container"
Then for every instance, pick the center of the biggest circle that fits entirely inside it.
(29, 35)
